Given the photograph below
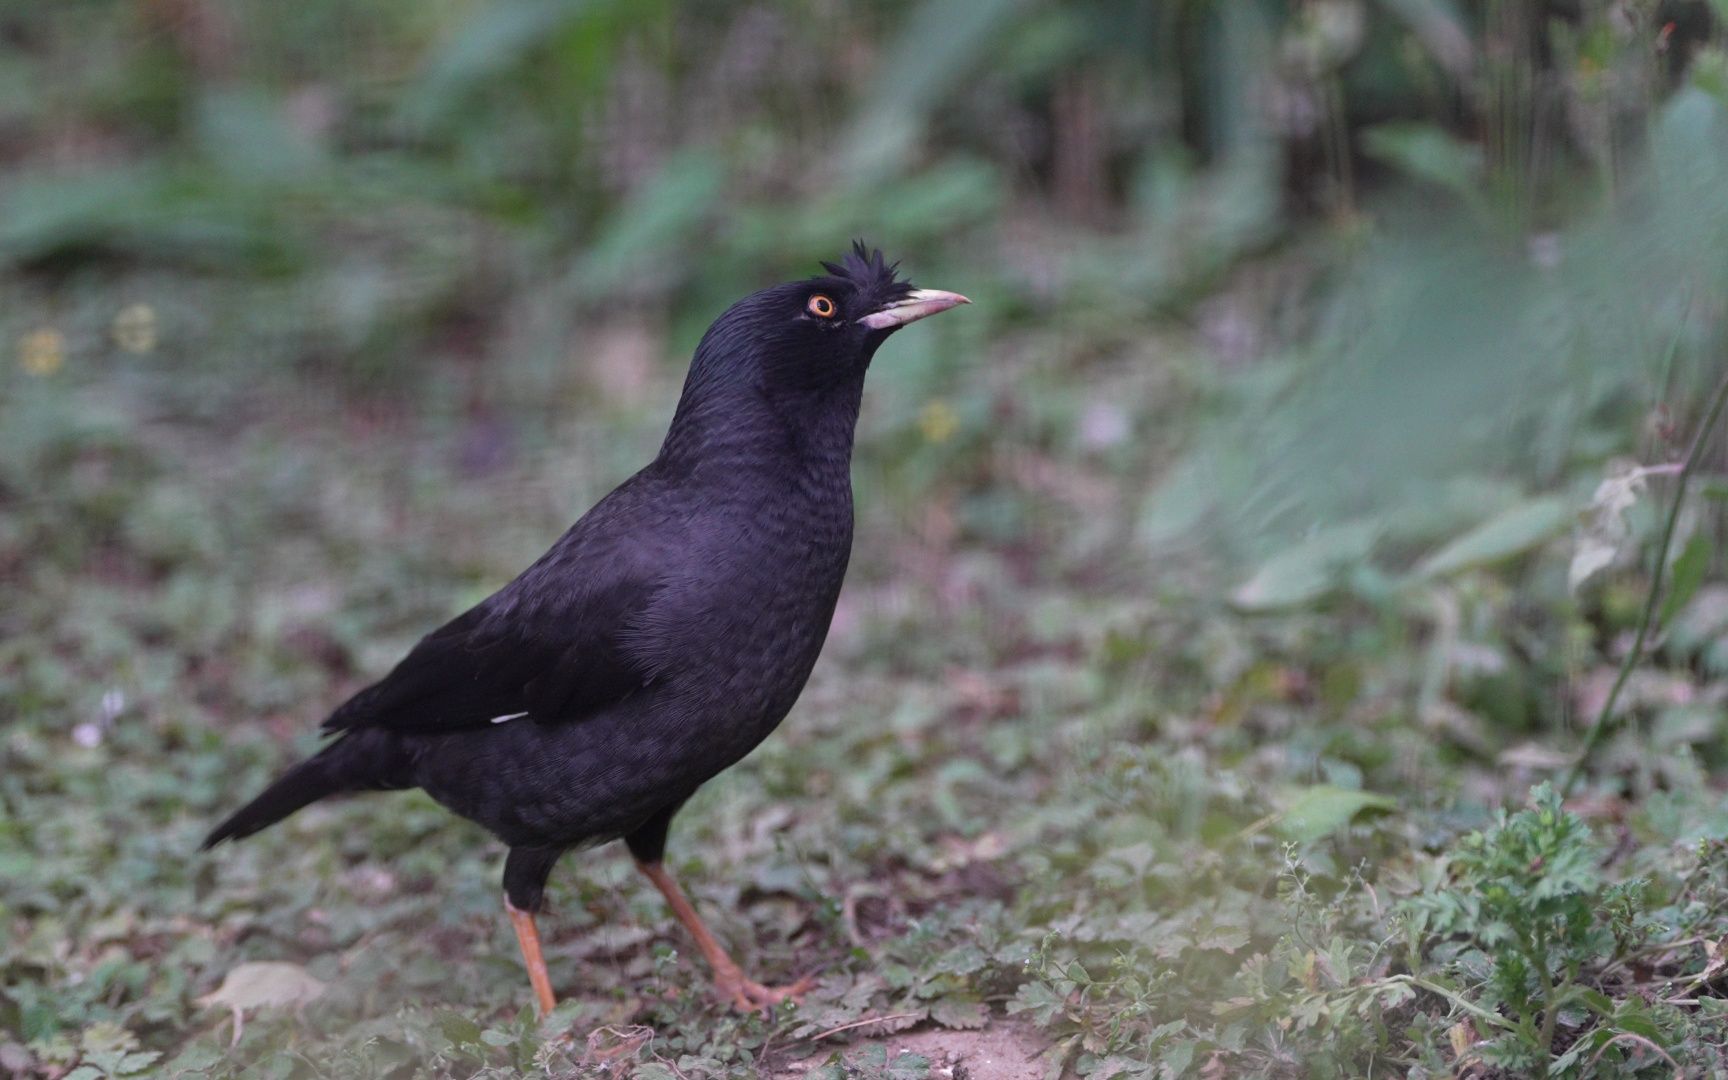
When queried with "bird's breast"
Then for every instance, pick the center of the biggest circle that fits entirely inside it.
(745, 626)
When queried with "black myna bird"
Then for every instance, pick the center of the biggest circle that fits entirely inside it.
(662, 637)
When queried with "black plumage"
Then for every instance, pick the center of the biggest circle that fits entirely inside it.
(664, 635)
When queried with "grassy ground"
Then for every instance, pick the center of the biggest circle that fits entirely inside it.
(1148, 832)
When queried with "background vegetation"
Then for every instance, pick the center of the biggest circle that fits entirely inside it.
(1236, 581)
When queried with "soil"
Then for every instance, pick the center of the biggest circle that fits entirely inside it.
(1002, 1051)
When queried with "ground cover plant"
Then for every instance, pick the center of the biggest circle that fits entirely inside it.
(1331, 458)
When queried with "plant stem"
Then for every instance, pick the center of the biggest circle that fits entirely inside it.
(1536, 955)
(1493, 1019)
(1604, 718)
(1550, 1019)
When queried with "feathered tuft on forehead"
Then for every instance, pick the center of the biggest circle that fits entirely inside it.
(870, 274)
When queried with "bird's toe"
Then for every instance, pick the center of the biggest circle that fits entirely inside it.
(749, 996)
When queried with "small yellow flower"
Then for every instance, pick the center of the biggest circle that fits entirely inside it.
(41, 352)
(938, 421)
(135, 328)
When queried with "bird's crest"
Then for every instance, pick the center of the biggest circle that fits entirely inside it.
(869, 273)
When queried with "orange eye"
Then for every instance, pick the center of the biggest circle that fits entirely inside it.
(821, 307)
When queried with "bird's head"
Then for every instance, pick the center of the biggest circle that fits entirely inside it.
(823, 331)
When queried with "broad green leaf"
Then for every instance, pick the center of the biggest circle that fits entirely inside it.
(1429, 153)
(135, 1063)
(493, 40)
(1322, 810)
(941, 42)
(656, 219)
(962, 1013)
(459, 1029)
(1225, 939)
(1178, 1056)
(1598, 1002)
(1039, 999)
(1499, 538)
(1307, 571)
(149, 208)
(1689, 571)
(1638, 1023)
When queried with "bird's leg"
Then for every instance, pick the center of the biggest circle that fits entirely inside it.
(729, 980)
(528, 936)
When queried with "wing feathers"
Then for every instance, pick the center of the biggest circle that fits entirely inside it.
(479, 669)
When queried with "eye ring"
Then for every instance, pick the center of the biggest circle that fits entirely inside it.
(821, 306)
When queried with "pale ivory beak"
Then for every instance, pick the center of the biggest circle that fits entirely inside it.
(919, 304)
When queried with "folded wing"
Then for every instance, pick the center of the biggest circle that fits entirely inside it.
(543, 662)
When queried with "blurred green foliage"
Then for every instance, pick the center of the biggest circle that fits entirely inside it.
(1261, 534)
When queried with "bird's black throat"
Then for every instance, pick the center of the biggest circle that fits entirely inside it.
(747, 424)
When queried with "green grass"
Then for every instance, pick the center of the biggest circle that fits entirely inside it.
(1167, 834)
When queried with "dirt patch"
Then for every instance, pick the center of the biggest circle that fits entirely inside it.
(1003, 1051)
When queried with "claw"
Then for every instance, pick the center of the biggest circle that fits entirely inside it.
(730, 985)
(748, 996)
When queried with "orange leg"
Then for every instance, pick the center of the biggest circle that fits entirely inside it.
(729, 980)
(528, 936)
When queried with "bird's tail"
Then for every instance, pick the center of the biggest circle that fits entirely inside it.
(358, 761)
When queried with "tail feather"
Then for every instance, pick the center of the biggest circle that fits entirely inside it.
(361, 761)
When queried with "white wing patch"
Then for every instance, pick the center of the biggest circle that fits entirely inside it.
(508, 716)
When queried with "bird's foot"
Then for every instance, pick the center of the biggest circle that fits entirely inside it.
(747, 996)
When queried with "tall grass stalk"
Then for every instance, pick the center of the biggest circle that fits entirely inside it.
(1605, 718)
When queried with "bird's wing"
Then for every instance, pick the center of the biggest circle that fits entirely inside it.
(495, 665)
(554, 645)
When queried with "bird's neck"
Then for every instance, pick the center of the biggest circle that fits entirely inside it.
(732, 430)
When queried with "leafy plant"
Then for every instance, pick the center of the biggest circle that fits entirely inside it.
(1532, 912)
